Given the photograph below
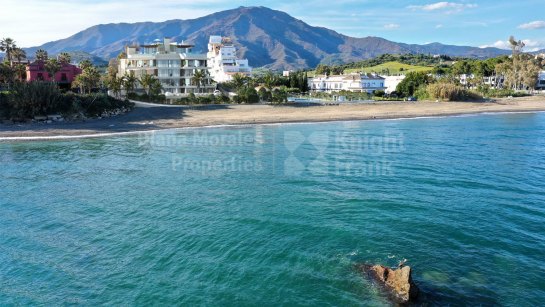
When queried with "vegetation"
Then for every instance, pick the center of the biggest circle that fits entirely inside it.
(392, 68)
(88, 80)
(412, 82)
(25, 100)
(450, 92)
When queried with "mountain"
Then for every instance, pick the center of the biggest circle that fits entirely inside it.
(266, 37)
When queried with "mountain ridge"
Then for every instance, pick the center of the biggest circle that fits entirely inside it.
(266, 37)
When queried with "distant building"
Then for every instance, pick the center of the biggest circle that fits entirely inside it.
(541, 81)
(35, 71)
(354, 82)
(174, 64)
(223, 62)
(391, 82)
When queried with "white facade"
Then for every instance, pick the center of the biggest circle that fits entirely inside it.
(172, 63)
(391, 82)
(223, 61)
(541, 81)
(354, 82)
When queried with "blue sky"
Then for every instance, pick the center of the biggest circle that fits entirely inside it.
(463, 22)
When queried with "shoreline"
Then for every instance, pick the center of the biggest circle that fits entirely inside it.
(147, 119)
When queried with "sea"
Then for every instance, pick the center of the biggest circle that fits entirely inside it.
(278, 215)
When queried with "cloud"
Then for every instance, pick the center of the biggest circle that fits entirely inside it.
(439, 26)
(448, 7)
(391, 26)
(530, 45)
(534, 25)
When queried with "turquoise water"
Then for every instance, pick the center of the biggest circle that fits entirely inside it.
(278, 215)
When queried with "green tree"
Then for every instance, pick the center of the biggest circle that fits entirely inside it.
(52, 66)
(64, 58)
(7, 45)
(156, 87)
(147, 82)
(270, 80)
(114, 84)
(198, 79)
(85, 64)
(247, 95)
(18, 54)
(7, 73)
(87, 80)
(20, 71)
(129, 82)
(41, 55)
(413, 80)
(239, 80)
(323, 70)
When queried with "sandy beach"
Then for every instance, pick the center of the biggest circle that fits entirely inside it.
(153, 117)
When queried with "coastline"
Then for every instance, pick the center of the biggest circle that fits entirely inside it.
(147, 118)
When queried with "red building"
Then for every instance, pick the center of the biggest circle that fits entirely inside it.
(35, 71)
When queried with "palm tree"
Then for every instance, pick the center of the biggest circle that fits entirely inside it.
(198, 79)
(85, 64)
(129, 82)
(270, 80)
(114, 84)
(41, 55)
(19, 54)
(7, 73)
(147, 82)
(20, 71)
(239, 80)
(7, 45)
(52, 66)
(64, 58)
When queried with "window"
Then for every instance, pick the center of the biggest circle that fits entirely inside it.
(40, 76)
(63, 77)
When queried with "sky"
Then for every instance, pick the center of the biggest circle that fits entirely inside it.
(463, 22)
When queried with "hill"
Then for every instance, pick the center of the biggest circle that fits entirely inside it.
(266, 37)
(391, 68)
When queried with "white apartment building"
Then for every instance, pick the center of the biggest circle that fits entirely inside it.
(223, 62)
(172, 63)
(354, 82)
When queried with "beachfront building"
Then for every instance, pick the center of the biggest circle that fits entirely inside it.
(541, 81)
(174, 64)
(391, 82)
(223, 62)
(35, 71)
(354, 82)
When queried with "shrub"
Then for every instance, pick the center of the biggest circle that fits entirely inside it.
(279, 96)
(451, 92)
(379, 93)
(498, 93)
(246, 95)
(264, 95)
(28, 99)
(413, 80)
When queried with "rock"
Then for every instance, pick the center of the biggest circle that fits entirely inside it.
(397, 282)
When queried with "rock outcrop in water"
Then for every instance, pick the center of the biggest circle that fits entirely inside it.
(397, 282)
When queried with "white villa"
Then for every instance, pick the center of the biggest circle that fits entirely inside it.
(354, 82)
(172, 63)
(391, 82)
(223, 62)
